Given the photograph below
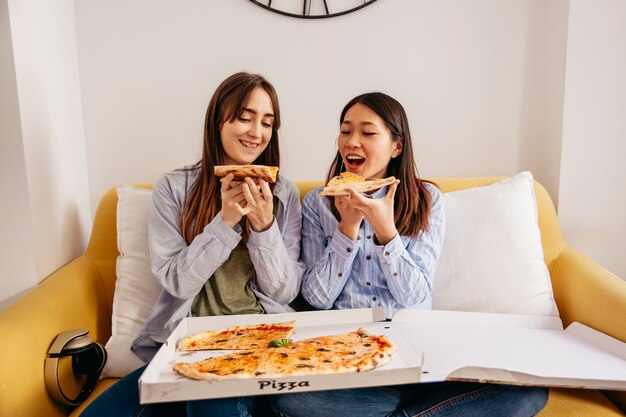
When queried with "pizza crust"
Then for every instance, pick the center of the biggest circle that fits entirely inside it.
(268, 173)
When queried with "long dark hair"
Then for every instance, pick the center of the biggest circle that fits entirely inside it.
(203, 201)
(411, 214)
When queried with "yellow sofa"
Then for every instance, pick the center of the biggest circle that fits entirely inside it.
(80, 295)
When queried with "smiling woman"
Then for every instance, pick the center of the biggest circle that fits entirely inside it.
(246, 136)
(218, 245)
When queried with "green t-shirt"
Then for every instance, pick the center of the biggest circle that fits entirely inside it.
(228, 290)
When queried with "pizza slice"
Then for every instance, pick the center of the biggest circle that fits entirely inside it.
(341, 183)
(356, 351)
(257, 336)
(238, 365)
(240, 172)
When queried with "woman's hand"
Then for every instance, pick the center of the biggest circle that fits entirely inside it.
(234, 204)
(260, 203)
(379, 212)
(351, 218)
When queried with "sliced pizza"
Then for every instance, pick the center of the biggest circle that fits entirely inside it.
(356, 351)
(268, 173)
(340, 184)
(257, 336)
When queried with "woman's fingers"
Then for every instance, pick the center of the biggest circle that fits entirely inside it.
(266, 192)
(356, 200)
(355, 195)
(241, 199)
(256, 193)
(242, 210)
(248, 195)
(235, 193)
(253, 187)
(234, 205)
(251, 197)
(341, 200)
(226, 182)
(391, 192)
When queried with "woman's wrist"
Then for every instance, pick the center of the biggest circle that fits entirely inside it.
(230, 222)
(386, 235)
(263, 226)
(350, 231)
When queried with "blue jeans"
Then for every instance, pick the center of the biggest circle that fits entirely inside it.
(444, 399)
(122, 400)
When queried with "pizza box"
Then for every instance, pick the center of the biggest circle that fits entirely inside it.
(159, 383)
(512, 349)
(432, 346)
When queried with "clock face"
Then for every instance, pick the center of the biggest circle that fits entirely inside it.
(313, 9)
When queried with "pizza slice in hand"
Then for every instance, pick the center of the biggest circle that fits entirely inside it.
(240, 172)
(257, 336)
(340, 184)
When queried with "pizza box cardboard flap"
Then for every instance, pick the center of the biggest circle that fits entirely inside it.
(159, 383)
(512, 349)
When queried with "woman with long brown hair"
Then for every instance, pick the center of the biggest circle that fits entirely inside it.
(219, 247)
(222, 247)
(382, 249)
(391, 236)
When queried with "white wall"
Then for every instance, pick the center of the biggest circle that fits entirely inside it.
(46, 67)
(115, 92)
(541, 128)
(16, 237)
(482, 81)
(592, 193)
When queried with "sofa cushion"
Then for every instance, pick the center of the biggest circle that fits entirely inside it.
(492, 258)
(136, 288)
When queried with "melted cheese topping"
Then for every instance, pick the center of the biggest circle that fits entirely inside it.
(346, 178)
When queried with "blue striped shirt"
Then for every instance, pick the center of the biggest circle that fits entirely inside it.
(342, 273)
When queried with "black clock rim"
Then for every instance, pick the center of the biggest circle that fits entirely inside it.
(317, 16)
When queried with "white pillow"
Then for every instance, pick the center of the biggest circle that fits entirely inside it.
(136, 288)
(492, 258)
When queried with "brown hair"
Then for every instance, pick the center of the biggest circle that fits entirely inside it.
(411, 214)
(203, 201)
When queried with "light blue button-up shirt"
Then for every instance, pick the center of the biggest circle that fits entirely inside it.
(342, 273)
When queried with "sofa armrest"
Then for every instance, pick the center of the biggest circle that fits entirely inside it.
(587, 293)
(72, 297)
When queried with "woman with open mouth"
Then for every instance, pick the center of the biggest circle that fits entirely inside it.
(381, 248)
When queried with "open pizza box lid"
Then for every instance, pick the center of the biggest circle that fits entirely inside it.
(512, 349)
(159, 383)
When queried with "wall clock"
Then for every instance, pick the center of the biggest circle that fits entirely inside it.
(313, 9)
